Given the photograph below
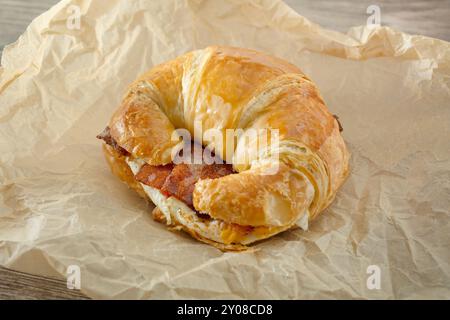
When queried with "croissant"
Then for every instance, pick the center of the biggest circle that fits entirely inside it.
(260, 189)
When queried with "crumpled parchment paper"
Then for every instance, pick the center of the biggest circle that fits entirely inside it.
(61, 206)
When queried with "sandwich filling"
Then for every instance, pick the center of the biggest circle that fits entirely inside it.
(176, 180)
(171, 187)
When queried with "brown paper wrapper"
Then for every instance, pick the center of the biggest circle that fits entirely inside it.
(61, 206)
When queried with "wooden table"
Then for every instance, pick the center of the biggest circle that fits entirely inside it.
(426, 17)
(19, 285)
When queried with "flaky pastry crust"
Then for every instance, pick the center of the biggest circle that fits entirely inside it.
(234, 88)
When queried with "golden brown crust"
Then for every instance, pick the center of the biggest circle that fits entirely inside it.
(253, 198)
(143, 130)
(234, 88)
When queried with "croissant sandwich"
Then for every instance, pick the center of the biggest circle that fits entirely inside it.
(231, 145)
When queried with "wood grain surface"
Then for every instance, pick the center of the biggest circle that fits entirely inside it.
(425, 17)
(19, 285)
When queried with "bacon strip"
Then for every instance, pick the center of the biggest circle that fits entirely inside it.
(179, 180)
(154, 176)
(106, 136)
